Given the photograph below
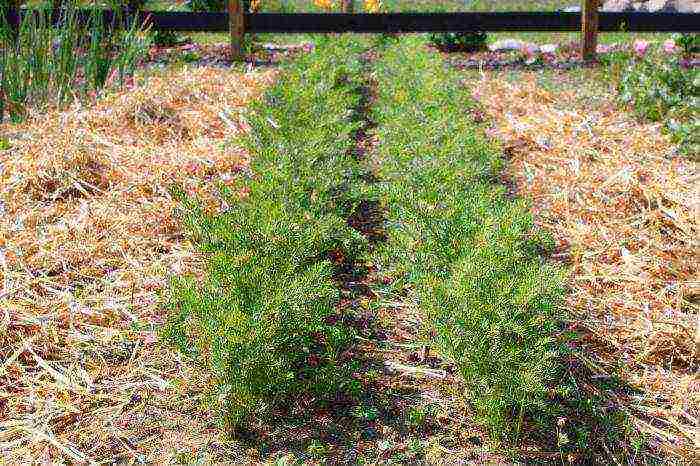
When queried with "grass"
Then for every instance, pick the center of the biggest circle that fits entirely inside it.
(260, 321)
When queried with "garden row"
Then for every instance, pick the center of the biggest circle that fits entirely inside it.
(267, 320)
(468, 251)
(263, 321)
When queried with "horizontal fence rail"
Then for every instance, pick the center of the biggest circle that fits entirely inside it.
(466, 22)
(406, 22)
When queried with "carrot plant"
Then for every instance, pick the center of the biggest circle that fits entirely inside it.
(263, 320)
(468, 251)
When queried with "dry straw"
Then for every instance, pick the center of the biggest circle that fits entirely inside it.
(88, 235)
(619, 202)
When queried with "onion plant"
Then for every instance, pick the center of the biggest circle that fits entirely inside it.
(44, 63)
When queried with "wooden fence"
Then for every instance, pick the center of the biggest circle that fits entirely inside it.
(237, 22)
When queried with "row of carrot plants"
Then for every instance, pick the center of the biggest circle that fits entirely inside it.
(469, 252)
(263, 320)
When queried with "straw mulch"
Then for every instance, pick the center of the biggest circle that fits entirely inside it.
(620, 204)
(88, 234)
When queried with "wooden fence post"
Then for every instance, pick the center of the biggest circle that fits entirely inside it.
(236, 25)
(348, 6)
(56, 7)
(13, 20)
(589, 29)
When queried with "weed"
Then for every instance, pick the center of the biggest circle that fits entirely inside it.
(316, 449)
(417, 417)
(365, 413)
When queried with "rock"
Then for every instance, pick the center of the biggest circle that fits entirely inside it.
(653, 6)
(687, 6)
(549, 48)
(661, 6)
(506, 44)
(618, 5)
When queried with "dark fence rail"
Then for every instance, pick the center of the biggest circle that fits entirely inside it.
(408, 22)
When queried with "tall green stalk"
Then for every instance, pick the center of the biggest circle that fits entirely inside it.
(53, 64)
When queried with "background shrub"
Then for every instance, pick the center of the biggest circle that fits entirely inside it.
(459, 41)
(664, 89)
(206, 5)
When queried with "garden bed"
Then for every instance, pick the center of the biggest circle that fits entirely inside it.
(617, 196)
(88, 235)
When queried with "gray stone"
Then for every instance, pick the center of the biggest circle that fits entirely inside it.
(687, 6)
(653, 6)
(618, 5)
(506, 44)
(549, 48)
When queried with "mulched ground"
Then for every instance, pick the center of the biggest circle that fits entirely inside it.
(618, 199)
(89, 232)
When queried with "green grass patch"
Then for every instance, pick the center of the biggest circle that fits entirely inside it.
(263, 319)
(470, 253)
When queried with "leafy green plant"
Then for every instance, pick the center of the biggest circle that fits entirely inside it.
(459, 41)
(365, 413)
(206, 5)
(470, 253)
(662, 88)
(456, 41)
(689, 43)
(263, 319)
(166, 38)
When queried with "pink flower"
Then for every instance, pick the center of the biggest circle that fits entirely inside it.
(530, 50)
(640, 47)
(112, 76)
(670, 46)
